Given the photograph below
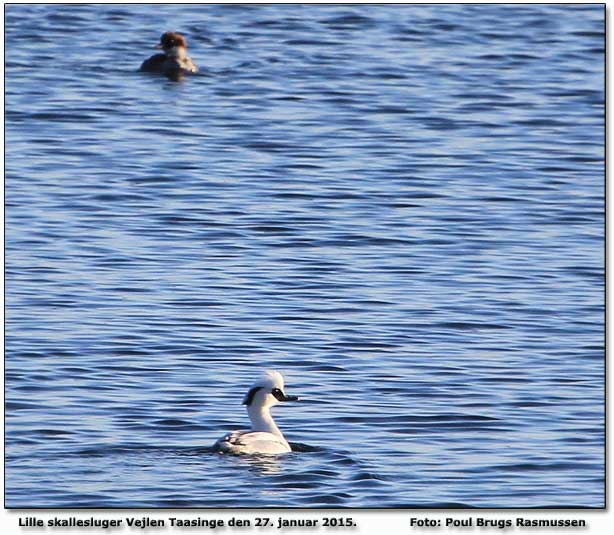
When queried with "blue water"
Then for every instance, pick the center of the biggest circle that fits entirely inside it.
(400, 207)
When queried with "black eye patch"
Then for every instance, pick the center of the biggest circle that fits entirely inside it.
(281, 396)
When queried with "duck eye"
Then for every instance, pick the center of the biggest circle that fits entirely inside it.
(276, 391)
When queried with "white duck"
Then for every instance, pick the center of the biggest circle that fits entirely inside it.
(264, 437)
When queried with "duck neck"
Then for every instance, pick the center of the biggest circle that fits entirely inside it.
(177, 52)
(262, 420)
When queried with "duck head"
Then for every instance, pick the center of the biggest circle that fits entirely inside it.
(174, 44)
(267, 391)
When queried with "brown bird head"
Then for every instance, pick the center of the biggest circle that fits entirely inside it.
(170, 40)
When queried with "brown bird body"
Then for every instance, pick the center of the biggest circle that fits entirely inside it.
(174, 62)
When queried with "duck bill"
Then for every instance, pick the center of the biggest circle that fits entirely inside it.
(280, 396)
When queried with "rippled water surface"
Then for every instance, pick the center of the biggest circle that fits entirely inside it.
(399, 207)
